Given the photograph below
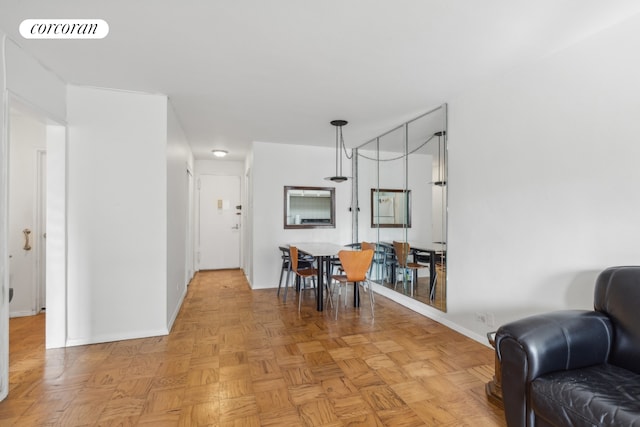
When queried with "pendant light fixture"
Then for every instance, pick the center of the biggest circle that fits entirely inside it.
(338, 177)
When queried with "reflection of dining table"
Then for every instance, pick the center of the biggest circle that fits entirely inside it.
(435, 250)
(322, 252)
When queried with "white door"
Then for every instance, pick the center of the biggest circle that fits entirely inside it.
(219, 236)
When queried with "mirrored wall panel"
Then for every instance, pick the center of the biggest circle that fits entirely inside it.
(402, 189)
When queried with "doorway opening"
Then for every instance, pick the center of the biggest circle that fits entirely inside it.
(37, 217)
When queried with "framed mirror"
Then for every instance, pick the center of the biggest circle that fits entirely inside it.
(390, 208)
(309, 207)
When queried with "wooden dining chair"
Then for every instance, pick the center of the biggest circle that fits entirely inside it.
(302, 273)
(402, 250)
(355, 265)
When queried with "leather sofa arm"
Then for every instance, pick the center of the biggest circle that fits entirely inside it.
(536, 345)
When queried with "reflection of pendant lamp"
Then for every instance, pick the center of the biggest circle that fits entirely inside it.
(441, 182)
(338, 177)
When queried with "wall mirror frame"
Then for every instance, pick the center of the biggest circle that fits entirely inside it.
(390, 208)
(309, 207)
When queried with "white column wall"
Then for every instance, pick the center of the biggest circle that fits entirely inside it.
(4, 224)
(117, 215)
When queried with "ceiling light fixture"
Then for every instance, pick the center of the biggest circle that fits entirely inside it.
(338, 177)
(219, 153)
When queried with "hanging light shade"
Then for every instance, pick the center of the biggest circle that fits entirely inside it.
(440, 182)
(339, 177)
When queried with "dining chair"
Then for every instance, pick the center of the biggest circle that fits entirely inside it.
(284, 255)
(402, 250)
(302, 273)
(355, 265)
(303, 262)
(335, 261)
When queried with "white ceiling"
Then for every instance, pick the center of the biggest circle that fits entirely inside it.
(238, 71)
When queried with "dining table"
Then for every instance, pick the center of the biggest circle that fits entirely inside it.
(323, 252)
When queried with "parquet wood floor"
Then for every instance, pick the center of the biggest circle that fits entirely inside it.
(238, 357)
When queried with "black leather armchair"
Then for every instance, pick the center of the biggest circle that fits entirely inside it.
(576, 367)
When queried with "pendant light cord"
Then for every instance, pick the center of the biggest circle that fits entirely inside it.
(402, 155)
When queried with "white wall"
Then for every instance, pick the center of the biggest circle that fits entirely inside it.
(544, 181)
(179, 215)
(273, 167)
(117, 215)
(27, 137)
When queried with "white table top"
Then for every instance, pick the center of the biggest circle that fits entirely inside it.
(319, 248)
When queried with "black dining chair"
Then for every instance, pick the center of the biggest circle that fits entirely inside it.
(286, 266)
(304, 261)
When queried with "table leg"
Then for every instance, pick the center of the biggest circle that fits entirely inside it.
(356, 294)
(328, 269)
(319, 291)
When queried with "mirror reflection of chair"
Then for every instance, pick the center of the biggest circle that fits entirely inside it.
(356, 265)
(388, 264)
(378, 256)
(402, 250)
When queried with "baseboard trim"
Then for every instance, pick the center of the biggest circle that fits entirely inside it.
(23, 313)
(116, 337)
